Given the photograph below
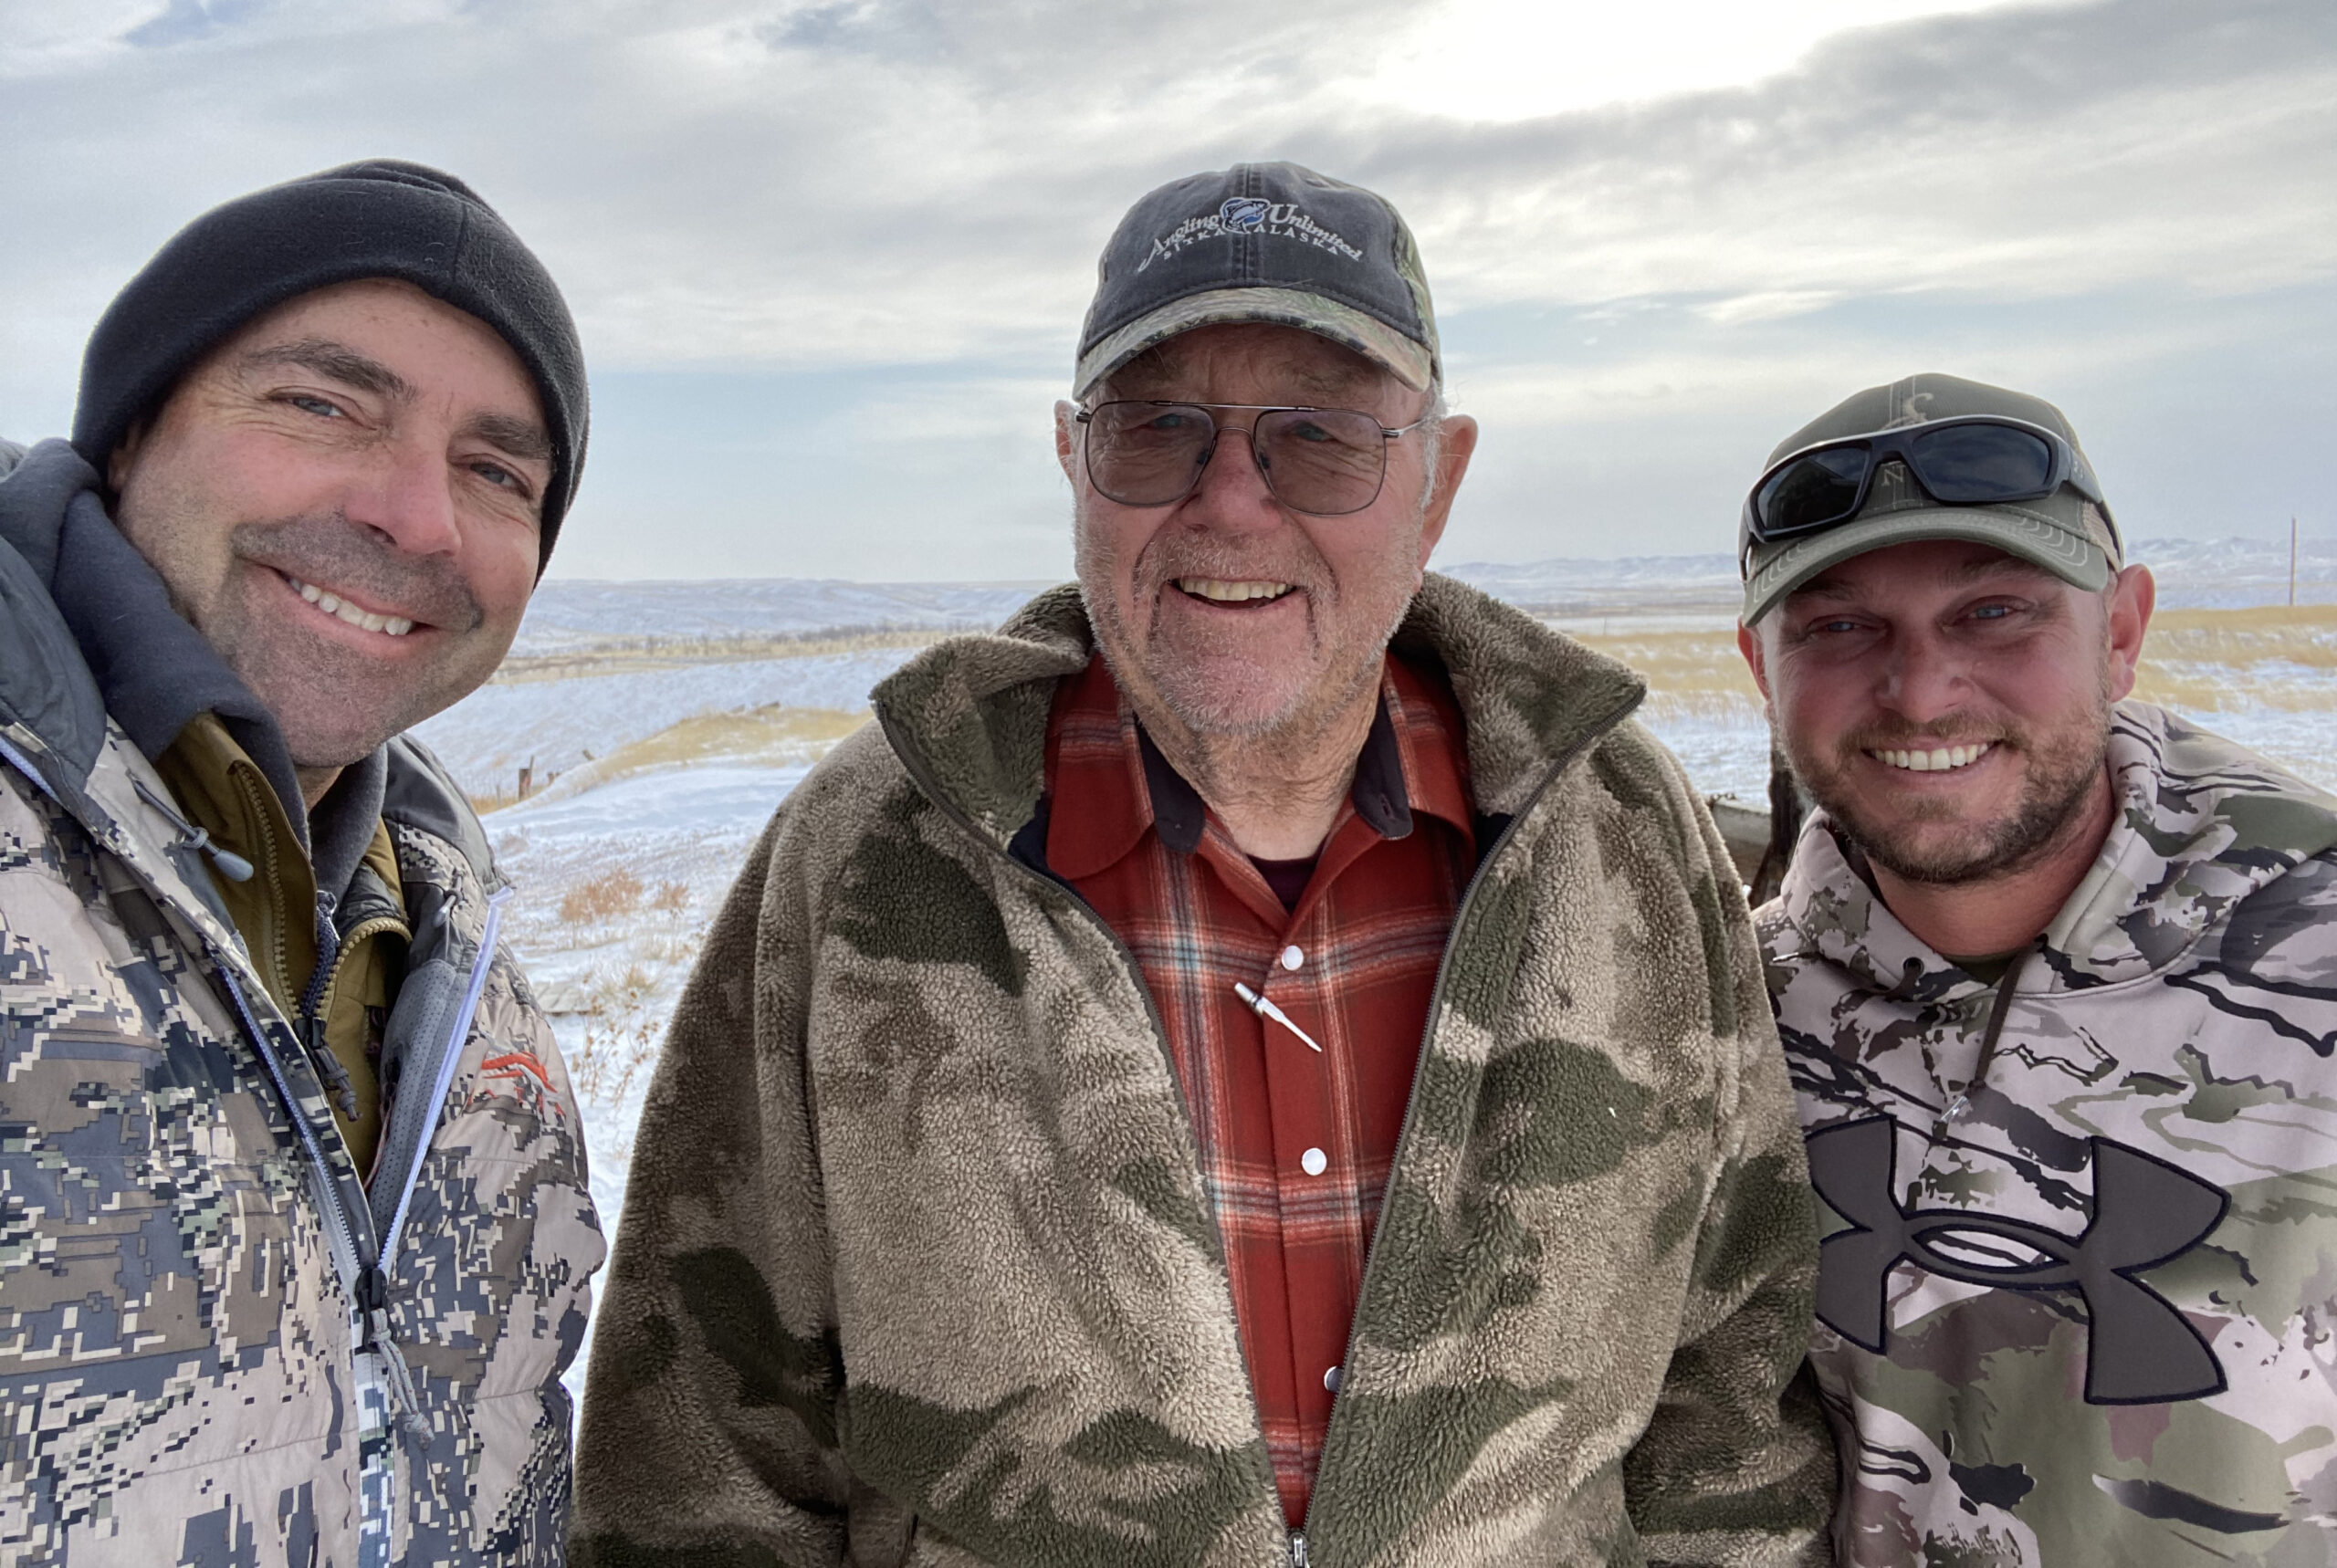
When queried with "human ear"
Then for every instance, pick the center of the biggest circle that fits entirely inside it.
(1748, 643)
(2128, 602)
(124, 456)
(1457, 445)
(1067, 439)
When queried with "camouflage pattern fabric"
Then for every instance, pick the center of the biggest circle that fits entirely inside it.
(2079, 1312)
(917, 1268)
(176, 1375)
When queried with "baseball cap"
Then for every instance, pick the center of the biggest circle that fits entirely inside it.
(2063, 532)
(1268, 243)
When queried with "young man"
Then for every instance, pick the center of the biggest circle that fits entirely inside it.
(2057, 973)
(295, 1236)
(1261, 1058)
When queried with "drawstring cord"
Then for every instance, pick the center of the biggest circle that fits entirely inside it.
(230, 865)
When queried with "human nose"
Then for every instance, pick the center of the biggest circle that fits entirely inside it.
(1921, 677)
(410, 498)
(1233, 491)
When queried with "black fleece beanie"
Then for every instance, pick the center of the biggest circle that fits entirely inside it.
(380, 218)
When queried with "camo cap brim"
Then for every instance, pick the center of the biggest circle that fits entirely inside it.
(1410, 362)
(2050, 542)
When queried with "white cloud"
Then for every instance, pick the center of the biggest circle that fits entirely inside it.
(1721, 202)
(1517, 59)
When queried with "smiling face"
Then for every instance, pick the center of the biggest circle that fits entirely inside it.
(1226, 613)
(1949, 706)
(343, 498)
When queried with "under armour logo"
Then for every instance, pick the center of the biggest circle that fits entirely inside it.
(2142, 1351)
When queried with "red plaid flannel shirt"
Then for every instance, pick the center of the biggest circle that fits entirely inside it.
(1295, 1145)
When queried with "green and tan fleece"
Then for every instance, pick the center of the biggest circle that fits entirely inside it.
(915, 1267)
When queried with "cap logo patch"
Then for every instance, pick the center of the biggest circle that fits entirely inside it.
(1240, 215)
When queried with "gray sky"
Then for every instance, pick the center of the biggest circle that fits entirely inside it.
(830, 259)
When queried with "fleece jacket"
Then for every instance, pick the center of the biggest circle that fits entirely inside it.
(916, 1265)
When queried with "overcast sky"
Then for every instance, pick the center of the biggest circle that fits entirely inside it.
(830, 259)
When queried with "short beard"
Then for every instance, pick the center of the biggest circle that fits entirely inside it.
(2063, 774)
(1215, 712)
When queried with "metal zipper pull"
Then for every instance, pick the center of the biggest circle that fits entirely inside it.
(1298, 1549)
(328, 1068)
(228, 863)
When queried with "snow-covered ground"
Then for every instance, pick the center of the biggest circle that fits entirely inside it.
(558, 723)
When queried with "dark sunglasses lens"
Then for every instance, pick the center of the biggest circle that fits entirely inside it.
(1147, 453)
(1812, 492)
(1964, 465)
(1321, 461)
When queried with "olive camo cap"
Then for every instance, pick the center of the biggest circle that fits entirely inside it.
(2063, 532)
(1266, 242)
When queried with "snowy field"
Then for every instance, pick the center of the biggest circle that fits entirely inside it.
(680, 716)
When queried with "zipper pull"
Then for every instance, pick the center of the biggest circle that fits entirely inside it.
(373, 1319)
(227, 863)
(1298, 1549)
(328, 1068)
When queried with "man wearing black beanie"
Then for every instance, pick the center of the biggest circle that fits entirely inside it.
(294, 1235)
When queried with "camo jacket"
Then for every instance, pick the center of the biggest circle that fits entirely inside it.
(2077, 1307)
(189, 1265)
(916, 1267)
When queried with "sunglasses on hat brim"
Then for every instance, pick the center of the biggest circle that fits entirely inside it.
(1974, 460)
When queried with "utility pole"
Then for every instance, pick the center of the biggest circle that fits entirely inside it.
(2292, 563)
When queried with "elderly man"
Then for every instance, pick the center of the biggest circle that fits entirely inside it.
(295, 1236)
(2057, 973)
(1074, 1036)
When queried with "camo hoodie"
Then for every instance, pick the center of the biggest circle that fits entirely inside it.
(217, 1348)
(2081, 1311)
(916, 1267)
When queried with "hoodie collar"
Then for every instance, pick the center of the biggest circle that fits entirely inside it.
(154, 671)
(2203, 825)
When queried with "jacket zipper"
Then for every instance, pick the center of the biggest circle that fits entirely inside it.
(1411, 1103)
(256, 810)
(332, 952)
(913, 760)
(364, 1280)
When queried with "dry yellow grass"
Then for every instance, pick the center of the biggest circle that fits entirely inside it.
(1687, 671)
(622, 1038)
(2199, 661)
(613, 893)
(617, 655)
(763, 731)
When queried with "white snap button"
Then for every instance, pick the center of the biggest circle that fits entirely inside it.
(1293, 957)
(1331, 1380)
(1314, 1162)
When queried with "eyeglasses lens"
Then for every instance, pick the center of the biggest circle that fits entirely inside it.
(1148, 455)
(1964, 464)
(1812, 492)
(1323, 462)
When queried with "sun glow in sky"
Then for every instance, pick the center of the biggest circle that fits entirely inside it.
(1517, 59)
(829, 256)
